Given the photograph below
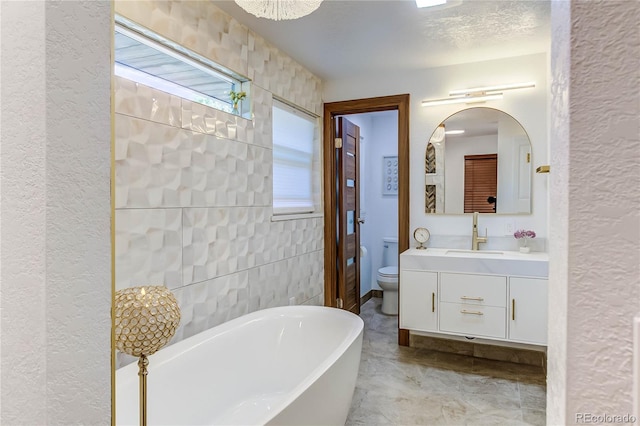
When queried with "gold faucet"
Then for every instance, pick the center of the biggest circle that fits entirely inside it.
(475, 238)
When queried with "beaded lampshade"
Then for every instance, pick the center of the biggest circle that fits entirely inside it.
(146, 319)
(279, 10)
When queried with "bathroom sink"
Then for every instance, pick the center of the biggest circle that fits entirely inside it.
(474, 253)
(512, 263)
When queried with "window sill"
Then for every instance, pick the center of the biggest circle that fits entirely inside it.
(294, 216)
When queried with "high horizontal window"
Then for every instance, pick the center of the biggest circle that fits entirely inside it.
(149, 59)
(294, 178)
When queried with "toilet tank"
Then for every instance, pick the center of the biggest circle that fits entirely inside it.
(390, 251)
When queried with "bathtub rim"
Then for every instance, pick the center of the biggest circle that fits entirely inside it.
(168, 353)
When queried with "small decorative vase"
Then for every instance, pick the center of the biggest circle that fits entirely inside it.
(525, 249)
(235, 109)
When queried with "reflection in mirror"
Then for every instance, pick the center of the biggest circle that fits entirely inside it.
(430, 163)
(430, 199)
(482, 164)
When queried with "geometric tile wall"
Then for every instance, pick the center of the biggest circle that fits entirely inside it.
(159, 165)
(193, 184)
(205, 29)
(148, 247)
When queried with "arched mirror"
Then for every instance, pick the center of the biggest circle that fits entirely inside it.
(482, 163)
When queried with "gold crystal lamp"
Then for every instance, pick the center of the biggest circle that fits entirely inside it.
(146, 319)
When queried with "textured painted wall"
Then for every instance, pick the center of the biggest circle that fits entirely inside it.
(23, 237)
(597, 270)
(604, 205)
(194, 185)
(559, 214)
(55, 241)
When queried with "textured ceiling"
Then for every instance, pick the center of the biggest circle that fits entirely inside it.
(346, 38)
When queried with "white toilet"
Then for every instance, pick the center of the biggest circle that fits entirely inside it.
(388, 276)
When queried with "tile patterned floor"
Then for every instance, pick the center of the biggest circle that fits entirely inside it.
(410, 386)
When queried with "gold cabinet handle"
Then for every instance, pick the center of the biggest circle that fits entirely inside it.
(433, 302)
(513, 309)
(464, 311)
(479, 299)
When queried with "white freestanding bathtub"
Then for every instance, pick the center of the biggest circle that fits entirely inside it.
(293, 365)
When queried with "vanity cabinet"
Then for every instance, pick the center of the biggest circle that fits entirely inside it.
(528, 310)
(473, 305)
(495, 305)
(419, 300)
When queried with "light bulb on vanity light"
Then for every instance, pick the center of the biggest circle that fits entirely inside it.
(462, 100)
(454, 132)
(477, 94)
(489, 90)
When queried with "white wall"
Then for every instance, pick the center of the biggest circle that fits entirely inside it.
(594, 289)
(529, 107)
(55, 279)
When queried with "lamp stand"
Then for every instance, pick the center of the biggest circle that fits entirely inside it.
(143, 362)
(146, 319)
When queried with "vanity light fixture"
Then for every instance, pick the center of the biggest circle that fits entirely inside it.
(454, 132)
(429, 3)
(279, 10)
(490, 90)
(471, 99)
(477, 94)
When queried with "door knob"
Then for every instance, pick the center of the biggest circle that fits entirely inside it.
(360, 220)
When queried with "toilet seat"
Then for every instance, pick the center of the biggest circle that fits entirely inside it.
(388, 272)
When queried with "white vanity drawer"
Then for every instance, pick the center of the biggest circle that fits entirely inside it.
(480, 290)
(471, 320)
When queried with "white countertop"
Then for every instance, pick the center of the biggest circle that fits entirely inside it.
(513, 263)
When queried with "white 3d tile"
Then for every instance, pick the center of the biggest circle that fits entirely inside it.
(148, 247)
(194, 185)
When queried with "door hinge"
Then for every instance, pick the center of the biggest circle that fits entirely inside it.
(528, 157)
(338, 142)
(339, 303)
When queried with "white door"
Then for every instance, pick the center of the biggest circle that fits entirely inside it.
(419, 300)
(528, 310)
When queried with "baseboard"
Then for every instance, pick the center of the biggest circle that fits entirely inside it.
(371, 293)
(365, 298)
(477, 350)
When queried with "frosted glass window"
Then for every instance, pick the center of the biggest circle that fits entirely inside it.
(294, 134)
(149, 59)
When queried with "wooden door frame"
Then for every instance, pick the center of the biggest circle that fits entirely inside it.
(398, 103)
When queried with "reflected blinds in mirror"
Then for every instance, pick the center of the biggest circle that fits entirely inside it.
(480, 183)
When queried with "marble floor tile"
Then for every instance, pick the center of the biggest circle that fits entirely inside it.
(400, 385)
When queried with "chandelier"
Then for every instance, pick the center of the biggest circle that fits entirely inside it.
(279, 10)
